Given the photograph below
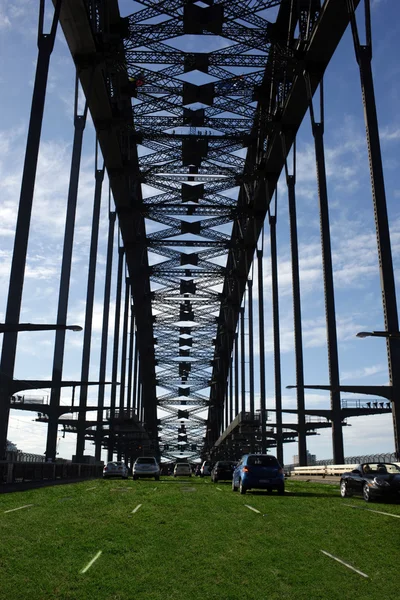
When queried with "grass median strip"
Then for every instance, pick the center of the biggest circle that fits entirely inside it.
(90, 563)
(165, 551)
(19, 508)
(344, 563)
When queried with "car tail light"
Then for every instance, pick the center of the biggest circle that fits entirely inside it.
(281, 471)
(246, 470)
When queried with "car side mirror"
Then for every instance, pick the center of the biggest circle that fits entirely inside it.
(356, 471)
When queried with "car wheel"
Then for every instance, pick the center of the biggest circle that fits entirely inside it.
(215, 479)
(234, 488)
(134, 477)
(367, 493)
(157, 478)
(242, 489)
(281, 490)
(344, 492)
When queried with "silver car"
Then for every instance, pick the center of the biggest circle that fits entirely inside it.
(146, 466)
(115, 469)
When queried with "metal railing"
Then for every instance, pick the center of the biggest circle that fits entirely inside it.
(18, 472)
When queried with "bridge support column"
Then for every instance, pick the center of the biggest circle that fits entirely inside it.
(263, 413)
(14, 300)
(87, 334)
(251, 347)
(237, 372)
(63, 294)
(388, 287)
(104, 334)
(230, 418)
(111, 440)
(298, 337)
(124, 345)
(329, 292)
(135, 396)
(129, 400)
(242, 361)
(277, 344)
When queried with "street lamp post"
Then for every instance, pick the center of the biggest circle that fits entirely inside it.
(393, 346)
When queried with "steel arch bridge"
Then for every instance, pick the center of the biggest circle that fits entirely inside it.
(194, 140)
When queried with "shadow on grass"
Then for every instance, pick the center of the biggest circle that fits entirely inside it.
(291, 494)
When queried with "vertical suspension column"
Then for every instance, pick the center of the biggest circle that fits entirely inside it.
(298, 336)
(237, 372)
(81, 429)
(251, 347)
(111, 440)
(135, 394)
(129, 399)
(388, 287)
(242, 361)
(263, 414)
(124, 344)
(231, 391)
(329, 292)
(63, 294)
(7, 364)
(104, 334)
(277, 344)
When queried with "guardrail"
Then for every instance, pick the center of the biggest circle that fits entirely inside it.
(15, 472)
(324, 470)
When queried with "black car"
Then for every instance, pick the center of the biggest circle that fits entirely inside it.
(372, 480)
(223, 469)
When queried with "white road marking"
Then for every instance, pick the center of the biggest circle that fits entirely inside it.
(137, 508)
(19, 508)
(91, 562)
(219, 489)
(251, 508)
(378, 512)
(345, 564)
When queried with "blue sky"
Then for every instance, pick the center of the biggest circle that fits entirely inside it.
(356, 274)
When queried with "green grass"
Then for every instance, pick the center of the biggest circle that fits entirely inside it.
(191, 541)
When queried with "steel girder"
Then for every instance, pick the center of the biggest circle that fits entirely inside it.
(214, 145)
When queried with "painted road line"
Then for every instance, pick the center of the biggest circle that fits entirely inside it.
(137, 508)
(251, 508)
(91, 562)
(345, 564)
(378, 512)
(19, 508)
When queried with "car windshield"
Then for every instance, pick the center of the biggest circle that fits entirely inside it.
(145, 461)
(380, 468)
(111, 464)
(262, 461)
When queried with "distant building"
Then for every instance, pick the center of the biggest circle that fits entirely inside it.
(311, 459)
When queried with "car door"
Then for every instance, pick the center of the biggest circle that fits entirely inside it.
(356, 481)
(236, 472)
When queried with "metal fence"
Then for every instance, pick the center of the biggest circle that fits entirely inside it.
(354, 460)
(15, 472)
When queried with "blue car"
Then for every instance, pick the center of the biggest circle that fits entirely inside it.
(258, 471)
